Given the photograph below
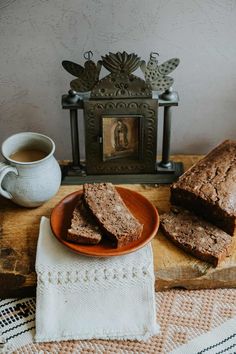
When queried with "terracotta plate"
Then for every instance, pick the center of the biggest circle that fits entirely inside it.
(140, 207)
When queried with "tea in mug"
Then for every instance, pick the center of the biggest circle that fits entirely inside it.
(28, 155)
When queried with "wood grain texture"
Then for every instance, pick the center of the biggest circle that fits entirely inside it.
(173, 267)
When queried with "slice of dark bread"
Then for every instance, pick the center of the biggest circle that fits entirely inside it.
(196, 236)
(113, 216)
(84, 228)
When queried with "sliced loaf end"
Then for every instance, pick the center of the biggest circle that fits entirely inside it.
(196, 236)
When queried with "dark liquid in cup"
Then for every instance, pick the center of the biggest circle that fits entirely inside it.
(28, 155)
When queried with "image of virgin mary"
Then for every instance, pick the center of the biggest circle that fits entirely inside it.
(121, 136)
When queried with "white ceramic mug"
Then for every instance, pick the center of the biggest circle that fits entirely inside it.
(29, 184)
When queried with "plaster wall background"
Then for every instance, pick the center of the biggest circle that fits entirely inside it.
(36, 35)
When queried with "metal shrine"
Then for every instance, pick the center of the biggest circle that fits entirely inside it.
(120, 120)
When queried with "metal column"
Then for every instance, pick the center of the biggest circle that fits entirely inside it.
(165, 162)
(75, 137)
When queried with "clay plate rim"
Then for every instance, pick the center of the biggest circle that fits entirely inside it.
(140, 206)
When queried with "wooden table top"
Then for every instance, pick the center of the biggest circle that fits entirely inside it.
(173, 267)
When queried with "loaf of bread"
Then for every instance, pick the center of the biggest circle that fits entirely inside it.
(196, 236)
(84, 228)
(209, 187)
(114, 218)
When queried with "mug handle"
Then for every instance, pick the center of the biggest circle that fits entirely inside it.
(4, 170)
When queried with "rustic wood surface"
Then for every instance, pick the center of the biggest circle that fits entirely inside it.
(173, 267)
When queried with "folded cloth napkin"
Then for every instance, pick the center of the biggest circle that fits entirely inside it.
(81, 297)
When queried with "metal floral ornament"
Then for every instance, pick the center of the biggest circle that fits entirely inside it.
(121, 62)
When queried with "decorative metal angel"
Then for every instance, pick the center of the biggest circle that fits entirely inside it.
(87, 76)
(156, 74)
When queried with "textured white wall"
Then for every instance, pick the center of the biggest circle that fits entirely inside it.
(36, 35)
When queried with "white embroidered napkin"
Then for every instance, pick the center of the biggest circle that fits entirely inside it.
(81, 297)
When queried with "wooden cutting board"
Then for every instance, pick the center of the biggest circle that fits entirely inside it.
(173, 267)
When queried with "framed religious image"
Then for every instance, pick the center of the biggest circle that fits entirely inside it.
(121, 136)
